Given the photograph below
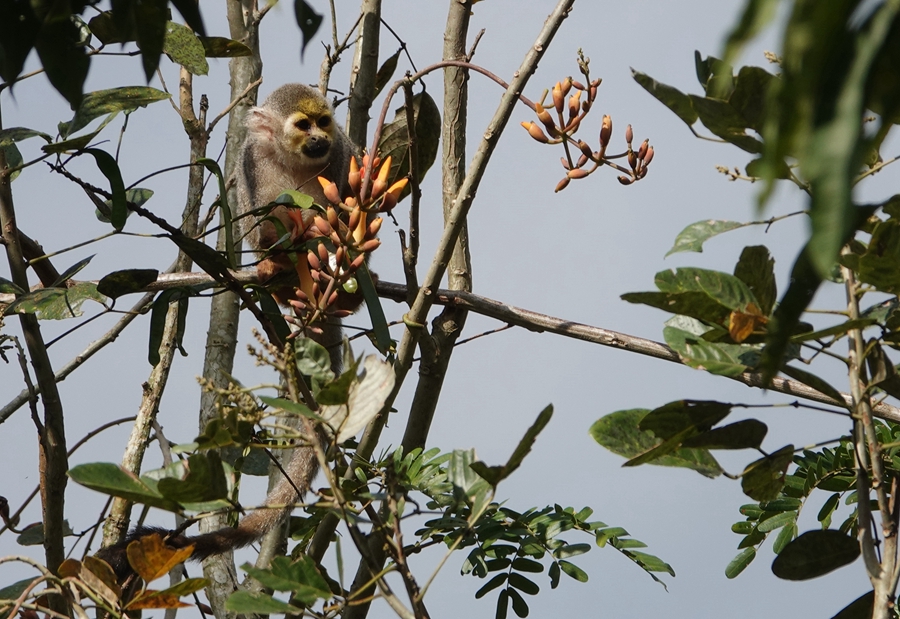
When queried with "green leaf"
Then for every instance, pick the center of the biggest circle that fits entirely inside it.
(693, 237)
(831, 504)
(17, 134)
(749, 96)
(715, 75)
(860, 608)
(103, 102)
(527, 565)
(158, 320)
(669, 96)
(620, 433)
(649, 562)
(756, 268)
(573, 571)
(571, 550)
(880, 265)
(221, 47)
(840, 329)
(815, 553)
(68, 304)
(746, 434)
(740, 562)
(185, 49)
(757, 14)
(301, 577)
(137, 196)
(244, 602)
(763, 479)
(716, 358)
(495, 474)
(113, 480)
(502, 605)
(724, 288)
(674, 417)
(784, 537)
(776, 522)
(205, 481)
(190, 11)
(296, 408)
(308, 21)
(110, 170)
(120, 283)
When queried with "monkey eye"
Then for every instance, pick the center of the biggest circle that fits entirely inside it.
(324, 121)
(302, 125)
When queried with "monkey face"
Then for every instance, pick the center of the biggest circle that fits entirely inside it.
(309, 136)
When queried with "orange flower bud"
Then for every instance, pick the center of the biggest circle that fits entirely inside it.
(313, 260)
(578, 173)
(629, 134)
(354, 178)
(562, 185)
(578, 85)
(583, 159)
(535, 132)
(566, 86)
(564, 162)
(649, 156)
(370, 245)
(558, 98)
(625, 180)
(584, 148)
(332, 216)
(357, 262)
(355, 216)
(322, 224)
(574, 104)
(323, 252)
(375, 226)
(387, 203)
(330, 190)
(642, 151)
(605, 131)
(543, 115)
(339, 255)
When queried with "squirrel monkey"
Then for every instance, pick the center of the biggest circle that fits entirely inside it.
(292, 139)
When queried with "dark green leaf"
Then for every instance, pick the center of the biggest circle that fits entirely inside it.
(724, 288)
(763, 479)
(749, 95)
(726, 122)
(244, 602)
(523, 584)
(715, 75)
(756, 268)
(104, 27)
(828, 507)
(19, 27)
(815, 382)
(221, 47)
(205, 481)
(137, 196)
(383, 341)
(554, 572)
(158, 320)
(495, 474)
(313, 359)
(694, 415)
(17, 134)
(742, 528)
(227, 217)
(740, 562)
(386, 72)
(308, 21)
(190, 11)
(150, 19)
(202, 254)
(746, 434)
(64, 59)
(840, 329)
(880, 265)
(671, 97)
(72, 271)
(619, 433)
(13, 591)
(573, 571)
(184, 48)
(119, 283)
(518, 603)
(502, 605)
(804, 284)
(9, 288)
(110, 170)
(815, 553)
(695, 304)
(571, 550)
(490, 585)
(272, 311)
(693, 237)
(527, 565)
(395, 139)
(860, 608)
(13, 160)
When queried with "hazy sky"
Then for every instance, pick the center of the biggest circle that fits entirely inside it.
(569, 255)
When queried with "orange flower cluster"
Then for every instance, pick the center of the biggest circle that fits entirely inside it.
(572, 101)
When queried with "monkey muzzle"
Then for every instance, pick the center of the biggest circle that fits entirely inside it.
(316, 147)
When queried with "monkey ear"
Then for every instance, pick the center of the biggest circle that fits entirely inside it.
(262, 122)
